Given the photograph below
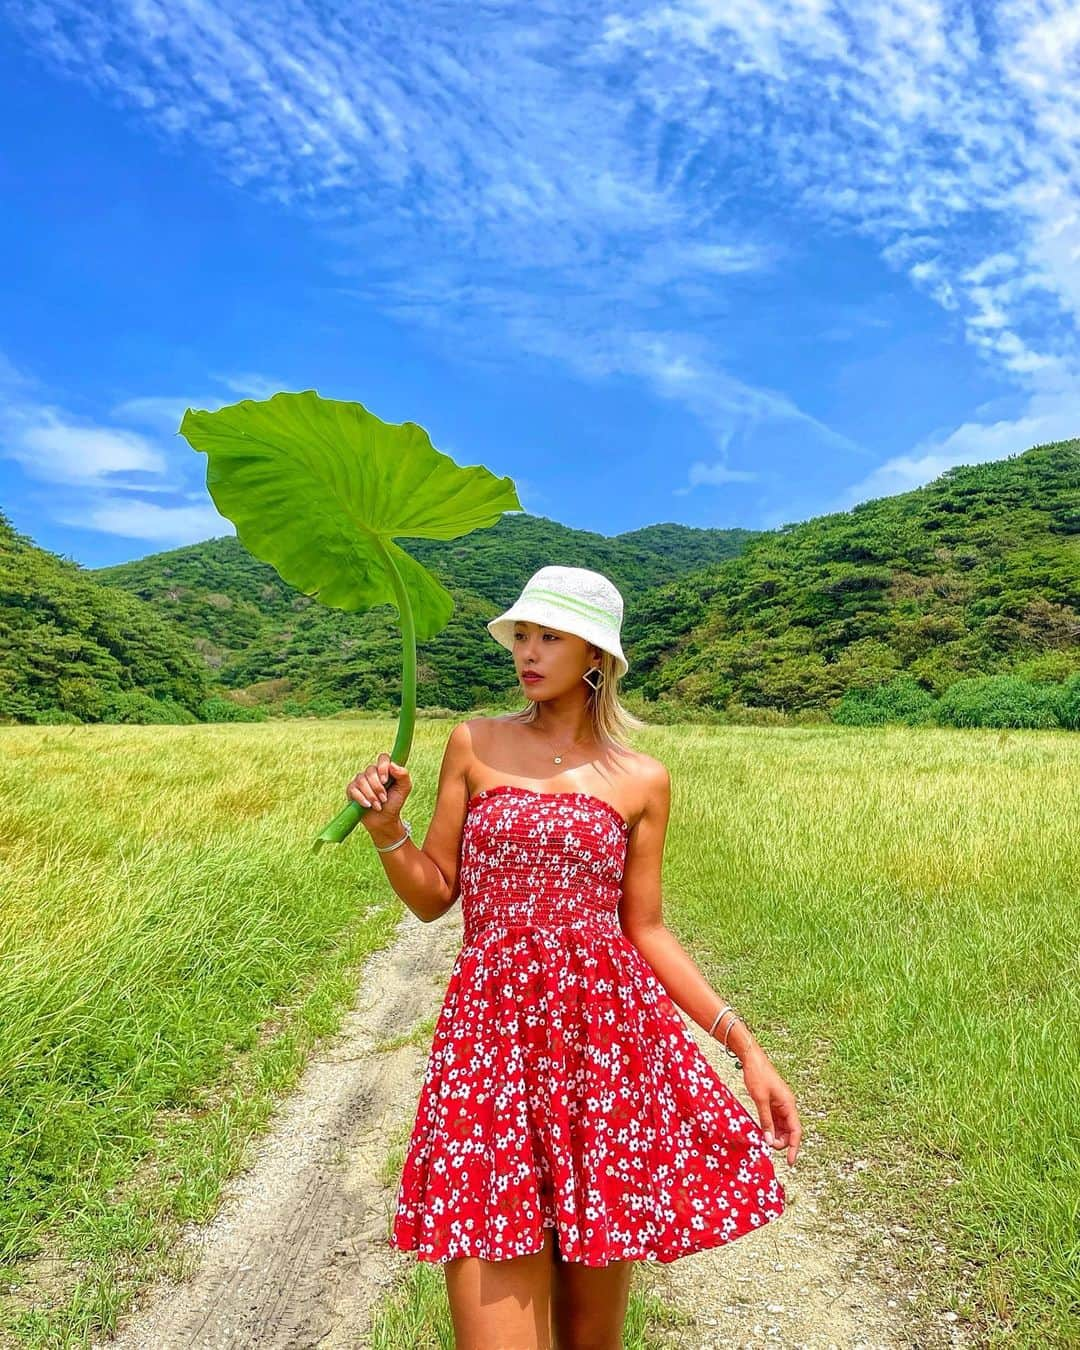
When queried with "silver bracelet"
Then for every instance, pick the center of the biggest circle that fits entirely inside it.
(389, 848)
(735, 1017)
(726, 1008)
(734, 1056)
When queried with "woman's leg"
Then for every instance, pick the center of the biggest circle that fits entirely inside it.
(588, 1304)
(501, 1305)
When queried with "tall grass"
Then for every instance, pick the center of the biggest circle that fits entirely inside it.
(169, 949)
(894, 911)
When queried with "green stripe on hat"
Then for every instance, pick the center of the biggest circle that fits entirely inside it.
(571, 603)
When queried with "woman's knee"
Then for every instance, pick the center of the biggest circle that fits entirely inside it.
(505, 1304)
(589, 1305)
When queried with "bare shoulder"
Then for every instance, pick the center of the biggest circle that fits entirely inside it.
(655, 782)
(648, 786)
(648, 770)
(475, 731)
(471, 741)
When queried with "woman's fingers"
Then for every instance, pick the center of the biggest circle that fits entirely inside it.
(791, 1130)
(358, 792)
(378, 792)
(365, 787)
(368, 788)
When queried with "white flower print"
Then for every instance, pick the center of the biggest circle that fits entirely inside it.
(563, 1088)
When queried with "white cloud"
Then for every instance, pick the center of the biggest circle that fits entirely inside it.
(932, 127)
(54, 448)
(517, 204)
(566, 180)
(172, 525)
(166, 410)
(1048, 418)
(152, 411)
(719, 474)
(714, 475)
(250, 385)
(100, 477)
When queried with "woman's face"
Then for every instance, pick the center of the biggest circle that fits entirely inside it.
(559, 659)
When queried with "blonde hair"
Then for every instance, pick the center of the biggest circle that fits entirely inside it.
(612, 720)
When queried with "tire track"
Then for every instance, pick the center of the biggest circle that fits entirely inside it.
(298, 1255)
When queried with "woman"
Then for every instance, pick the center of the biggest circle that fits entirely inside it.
(568, 1124)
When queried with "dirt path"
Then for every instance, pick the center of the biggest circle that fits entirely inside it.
(297, 1255)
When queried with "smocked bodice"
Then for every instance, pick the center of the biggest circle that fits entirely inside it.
(540, 859)
(562, 1089)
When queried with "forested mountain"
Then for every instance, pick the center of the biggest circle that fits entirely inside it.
(259, 635)
(976, 573)
(902, 599)
(70, 646)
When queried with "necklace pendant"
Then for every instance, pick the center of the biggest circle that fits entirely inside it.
(558, 759)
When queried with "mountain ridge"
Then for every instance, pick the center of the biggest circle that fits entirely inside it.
(974, 574)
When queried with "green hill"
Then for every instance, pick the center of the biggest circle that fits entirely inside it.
(976, 573)
(70, 646)
(261, 637)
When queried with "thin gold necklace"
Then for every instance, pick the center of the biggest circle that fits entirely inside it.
(558, 758)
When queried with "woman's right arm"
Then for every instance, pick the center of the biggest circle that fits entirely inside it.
(426, 878)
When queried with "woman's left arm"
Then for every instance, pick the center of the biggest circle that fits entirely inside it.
(641, 918)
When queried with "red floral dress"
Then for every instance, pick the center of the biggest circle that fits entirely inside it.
(563, 1088)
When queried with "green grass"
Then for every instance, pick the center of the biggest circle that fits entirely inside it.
(416, 1314)
(170, 949)
(894, 911)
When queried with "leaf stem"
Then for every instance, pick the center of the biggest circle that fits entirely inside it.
(349, 816)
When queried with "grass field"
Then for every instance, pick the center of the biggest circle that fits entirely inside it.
(894, 911)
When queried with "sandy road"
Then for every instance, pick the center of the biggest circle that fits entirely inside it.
(297, 1256)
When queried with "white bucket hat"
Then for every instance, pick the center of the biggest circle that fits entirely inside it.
(572, 599)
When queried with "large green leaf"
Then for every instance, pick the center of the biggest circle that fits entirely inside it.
(319, 488)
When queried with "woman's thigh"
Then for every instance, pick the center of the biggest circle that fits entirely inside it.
(588, 1304)
(502, 1305)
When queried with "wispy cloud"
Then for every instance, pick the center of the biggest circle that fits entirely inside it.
(52, 445)
(474, 170)
(250, 385)
(579, 182)
(948, 133)
(108, 477)
(171, 525)
(152, 410)
(166, 410)
(53, 449)
(1047, 418)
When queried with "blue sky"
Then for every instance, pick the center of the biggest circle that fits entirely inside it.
(722, 262)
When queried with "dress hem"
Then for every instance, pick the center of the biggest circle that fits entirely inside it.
(654, 1256)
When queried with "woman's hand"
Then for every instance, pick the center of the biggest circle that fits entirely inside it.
(775, 1102)
(369, 789)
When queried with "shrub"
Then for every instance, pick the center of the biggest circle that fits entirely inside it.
(999, 701)
(135, 706)
(902, 699)
(322, 706)
(750, 715)
(225, 710)
(1067, 703)
(56, 717)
